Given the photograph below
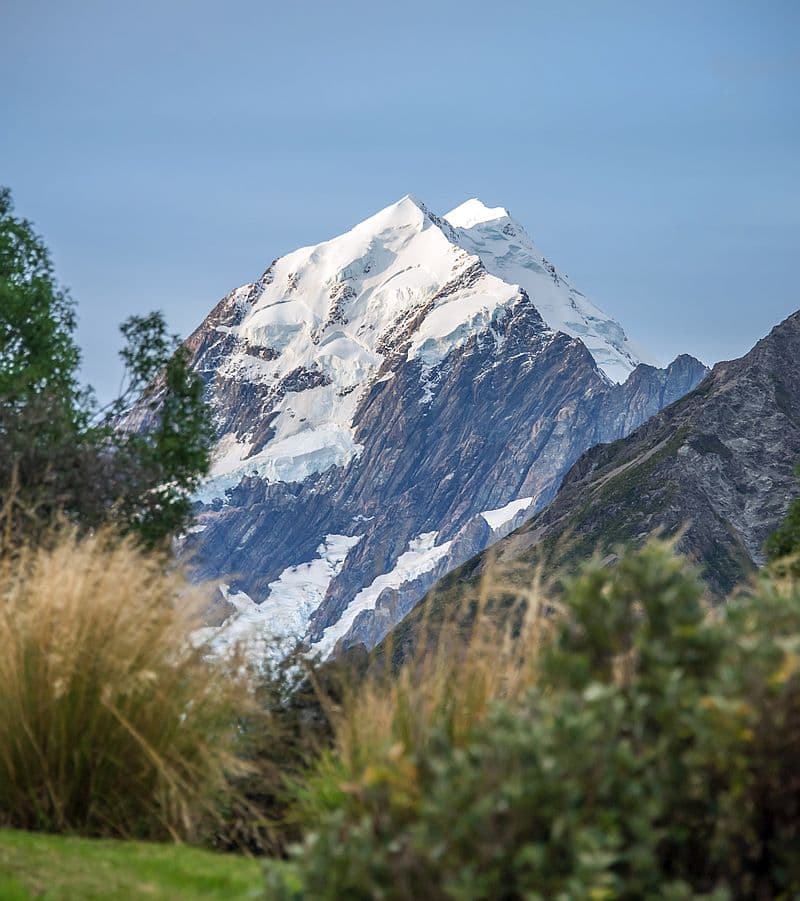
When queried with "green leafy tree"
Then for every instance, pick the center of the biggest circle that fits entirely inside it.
(38, 353)
(166, 435)
(134, 463)
(43, 411)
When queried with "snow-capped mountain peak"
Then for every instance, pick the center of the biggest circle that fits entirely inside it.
(507, 251)
(407, 212)
(403, 284)
(387, 403)
(317, 328)
(474, 211)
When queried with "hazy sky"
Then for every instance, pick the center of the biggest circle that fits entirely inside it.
(169, 150)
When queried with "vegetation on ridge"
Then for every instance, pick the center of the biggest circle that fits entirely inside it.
(784, 543)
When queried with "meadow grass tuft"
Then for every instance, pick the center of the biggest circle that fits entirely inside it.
(112, 722)
(389, 719)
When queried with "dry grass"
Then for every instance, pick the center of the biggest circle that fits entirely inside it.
(485, 650)
(112, 723)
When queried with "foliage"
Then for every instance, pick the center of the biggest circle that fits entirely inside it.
(651, 754)
(161, 449)
(59, 454)
(113, 724)
(59, 868)
(785, 541)
(38, 354)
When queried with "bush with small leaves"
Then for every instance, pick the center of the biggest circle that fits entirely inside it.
(655, 755)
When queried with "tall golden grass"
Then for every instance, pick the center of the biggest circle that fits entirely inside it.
(111, 722)
(485, 648)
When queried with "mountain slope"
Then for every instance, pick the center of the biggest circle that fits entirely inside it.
(388, 403)
(717, 464)
(508, 253)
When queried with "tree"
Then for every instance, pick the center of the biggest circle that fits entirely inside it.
(165, 437)
(38, 353)
(134, 463)
(42, 409)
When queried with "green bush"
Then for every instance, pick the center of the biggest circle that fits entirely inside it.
(656, 755)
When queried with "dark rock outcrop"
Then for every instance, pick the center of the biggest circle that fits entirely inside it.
(716, 468)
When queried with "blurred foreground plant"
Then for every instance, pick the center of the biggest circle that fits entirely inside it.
(112, 723)
(645, 747)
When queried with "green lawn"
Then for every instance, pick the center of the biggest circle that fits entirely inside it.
(57, 868)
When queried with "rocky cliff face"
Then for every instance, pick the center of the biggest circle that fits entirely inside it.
(388, 404)
(716, 467)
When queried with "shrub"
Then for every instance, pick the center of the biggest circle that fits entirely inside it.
(653, 753)
(112, 723)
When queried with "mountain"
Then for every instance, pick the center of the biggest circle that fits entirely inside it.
(390, 402)
(716, 468)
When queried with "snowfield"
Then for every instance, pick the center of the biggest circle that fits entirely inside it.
(420, 558)
(272, 627)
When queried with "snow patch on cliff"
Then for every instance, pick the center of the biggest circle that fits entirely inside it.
(462, 314)
(421, 557)
(299, 590)
(503, 515)
(271, 628)
(290, 459)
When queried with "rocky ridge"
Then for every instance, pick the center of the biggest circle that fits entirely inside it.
(715, 469)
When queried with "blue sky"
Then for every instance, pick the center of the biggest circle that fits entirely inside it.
(168, 151)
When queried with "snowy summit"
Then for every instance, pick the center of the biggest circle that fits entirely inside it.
(329, 314)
